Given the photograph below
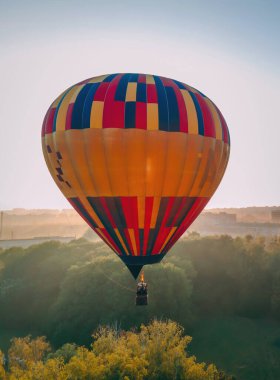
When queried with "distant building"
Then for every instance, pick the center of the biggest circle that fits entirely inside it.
(221, 218)
(227, 218)
(275, 216)
(24, 243)
(217, 223)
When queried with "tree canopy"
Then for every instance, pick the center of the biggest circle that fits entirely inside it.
(65, 291)
(158, 351)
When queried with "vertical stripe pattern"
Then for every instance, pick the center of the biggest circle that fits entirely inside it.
(136, 101)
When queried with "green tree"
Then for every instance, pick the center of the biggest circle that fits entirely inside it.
(159, 351)
(26, 351)
(2, 366)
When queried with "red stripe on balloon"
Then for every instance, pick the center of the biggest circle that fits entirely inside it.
(69, 116)
(149, 201)
(209, 124)
(152, 93)
(196, 209)
(141, 115)
(101, 91)
(162, 236)
(162, 230)
(113, 116)
(49, 120)
(130, 210)
(142, 78)
(113, 112)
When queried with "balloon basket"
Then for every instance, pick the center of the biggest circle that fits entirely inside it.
(141, 292)
(141, 300)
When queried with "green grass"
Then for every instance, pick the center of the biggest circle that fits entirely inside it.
(246, 348)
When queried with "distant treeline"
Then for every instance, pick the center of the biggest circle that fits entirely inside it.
(65, 291)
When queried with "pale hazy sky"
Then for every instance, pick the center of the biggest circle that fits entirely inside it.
(228, 49)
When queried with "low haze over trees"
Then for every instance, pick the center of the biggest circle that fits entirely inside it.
(65, 291)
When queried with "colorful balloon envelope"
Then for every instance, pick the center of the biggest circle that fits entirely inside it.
(138, 157)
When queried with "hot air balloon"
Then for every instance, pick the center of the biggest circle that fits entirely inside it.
(138, 157)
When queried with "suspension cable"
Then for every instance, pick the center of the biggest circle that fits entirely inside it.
(116, 282)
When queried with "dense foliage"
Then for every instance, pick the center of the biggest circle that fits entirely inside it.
(65, 291)
(157, 352)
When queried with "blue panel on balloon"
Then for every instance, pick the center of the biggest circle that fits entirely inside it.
(162, 105)
(122, 86)
(88, 105)
(77, 114)
(130, 110)
(174, 118)
(141, 92)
